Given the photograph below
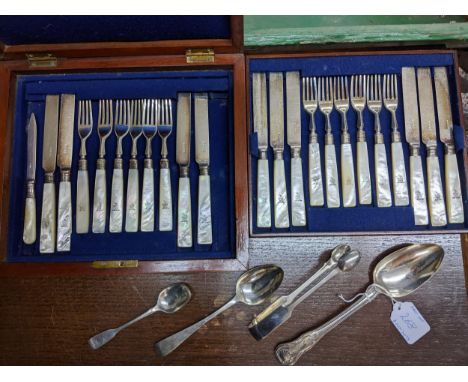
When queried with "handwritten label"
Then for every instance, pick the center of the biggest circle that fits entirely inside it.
(409, 322)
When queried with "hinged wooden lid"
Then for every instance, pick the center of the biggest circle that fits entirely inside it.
(43, 39)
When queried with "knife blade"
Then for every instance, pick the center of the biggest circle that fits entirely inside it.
(29, 231)
(202, 157)
(277, 143)
(49, 160)
(453, 193)
(184, 209)
(260, 126)
(411, 108)
(437, 211)
(64, 159)
(293, 104)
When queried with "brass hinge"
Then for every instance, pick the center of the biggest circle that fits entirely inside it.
(115, 264)
(42, 60)
(199, 55)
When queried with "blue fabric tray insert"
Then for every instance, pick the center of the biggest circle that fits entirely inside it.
(360, 218)
(17, 30)
(31, 93)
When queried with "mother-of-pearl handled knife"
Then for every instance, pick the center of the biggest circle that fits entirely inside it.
(453, 193)
(202, 157)
(429, 137)
(184, 209)
(410, 106)
(64, 159)
(293, 103)
(260, 126)
(29, 230)
(49, 161)
(277, 143)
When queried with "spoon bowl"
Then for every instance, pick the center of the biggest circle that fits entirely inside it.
(174, 298)
(257, 284)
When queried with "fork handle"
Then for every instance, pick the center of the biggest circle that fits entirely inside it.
(331, 177)
(165, 200)
(382, 179)
(117, 198)
(280, 194)
(133, 195)
(315, 176)
(100, 198)
(147, 198)
(348, 184)
(436, 196)
(453, 189)
(400, 185)
(82, 199)
(418, 190)
(184, 214)
(363, 173)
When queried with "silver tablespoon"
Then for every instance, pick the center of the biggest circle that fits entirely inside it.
(253, 287)
(170, 300)
(396, 275)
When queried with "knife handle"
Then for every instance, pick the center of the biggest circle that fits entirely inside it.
(298, 215)
(436, 195)
(82, 198)
(363, 173)
(263, 194)
(279, 193)
(315, 176)
(204, 234)
(133, 194)
(100, 198)
(147, 197)
(64, 217)
(184, 213)
(117, 198)
(29, 231)
(400, 185)
(382, 179)
(48, 216)
(418, 191)
(348, 184)
(331, 177)
(453, 189)
(165, 200)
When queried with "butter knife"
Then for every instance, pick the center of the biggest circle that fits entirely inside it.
(29, 231)
(260, 125)
(293, 103)
(49, 162)
(412, 134)
(64, 159)
(184, 209)
(453, 194)
(202, 157)
(277, 143)
(437, 211)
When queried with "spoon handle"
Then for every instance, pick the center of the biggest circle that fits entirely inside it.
(288, 353)
(104, 337)
(169, 344)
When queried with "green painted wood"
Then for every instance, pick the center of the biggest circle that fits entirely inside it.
(292, 30)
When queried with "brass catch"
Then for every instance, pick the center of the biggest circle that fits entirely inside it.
(42, 60)
(115, 264)
(199, 55)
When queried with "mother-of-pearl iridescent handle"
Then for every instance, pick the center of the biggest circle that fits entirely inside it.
(100, 198)
(382, 178)
(418, 189)
(29, 229)
(436, 196)
(263, 194)
(453, 189)
(205, 232)
(184, 212)
(347, 176)
(280, 195)
(298, 215)
(400, 185)
(315, 176)
(82, 199)
(331, 176)
(117, 198)
(48, 217)
(165, 200)
(64, 217)
(132, 214)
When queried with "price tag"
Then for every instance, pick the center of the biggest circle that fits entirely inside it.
(409, 322)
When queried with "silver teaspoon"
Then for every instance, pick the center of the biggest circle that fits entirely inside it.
(396, 275)
(170, 300)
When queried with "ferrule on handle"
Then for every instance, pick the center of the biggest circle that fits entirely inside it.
(279, 192)
(132, 214)
(165, 199)
(48, 216)
(384, 195)
(147, 198)
(29, 230)
(82, 198)
(418, 189)
(400, 185)
(100, 198)
(64, 220)
(184, 211)
(437, 211)
(348, 185)
(117, 198)
(263, 192)
(297, 191)
(453, 192)
(331, 176)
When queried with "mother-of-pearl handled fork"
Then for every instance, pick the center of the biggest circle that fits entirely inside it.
(85, 126)
(123, 118)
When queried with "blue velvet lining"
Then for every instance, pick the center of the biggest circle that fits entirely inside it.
(16, 30)
(361, 218)
(31, 92)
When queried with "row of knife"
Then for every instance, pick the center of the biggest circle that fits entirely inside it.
(328, 93)
(135, 118)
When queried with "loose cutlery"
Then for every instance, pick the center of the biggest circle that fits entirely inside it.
(165, 193)
(437, 211)
(49, 162)
(202, 157)
(104, 129)
(453, 192)
(184, 207)
(412, 134)
(293, 104)
(310, 103)
(260, 125)
(390, 100)
(29, 229)
(64, 159)
(85, 126)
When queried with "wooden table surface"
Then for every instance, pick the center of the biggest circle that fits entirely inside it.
(48, 320)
